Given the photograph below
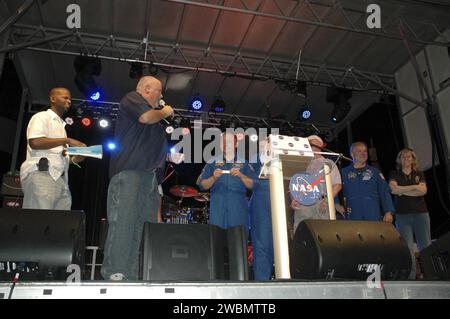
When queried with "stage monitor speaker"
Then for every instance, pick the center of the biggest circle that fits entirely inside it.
(343, 249)
(193, 252)
(40, 244)
(11, 185)
(435, 259)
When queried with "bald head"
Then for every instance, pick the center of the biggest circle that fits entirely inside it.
(147, 82)
(57, 91)
(60, 100)
(150, 89)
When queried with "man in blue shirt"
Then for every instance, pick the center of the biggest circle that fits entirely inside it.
(133, 196)
(228, 179)
(365, 189)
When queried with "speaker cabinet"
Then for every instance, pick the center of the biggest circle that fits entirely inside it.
(193, 252)
(342, 249)
(40, 244)
(435, 259)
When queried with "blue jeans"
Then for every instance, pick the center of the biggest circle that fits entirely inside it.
(414, 225)
(133, 199)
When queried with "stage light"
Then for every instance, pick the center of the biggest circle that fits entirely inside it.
(86, 68)
(304, 114)
(136, 70)
(172, 150)
(254, 137)
(69, 120)
(339, 97)
(86, 121)
(152, 69)
(111, 146)
(185, 124)
(95, 96)
(218, 105)
(104, 123)
(196, 103)
(169, 129)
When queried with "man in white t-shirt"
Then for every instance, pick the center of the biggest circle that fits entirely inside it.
(44, 173)
(318, 210)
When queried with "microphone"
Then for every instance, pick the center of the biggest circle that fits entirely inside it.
(340, 154)
(162, 103)
(169, 127)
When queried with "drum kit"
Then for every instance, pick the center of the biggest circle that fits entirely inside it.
(177, 213)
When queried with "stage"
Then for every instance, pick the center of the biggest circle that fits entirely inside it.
(227, 290)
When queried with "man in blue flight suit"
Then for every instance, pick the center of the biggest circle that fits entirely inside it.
(228, 182)
(365, 189)
(261, 222)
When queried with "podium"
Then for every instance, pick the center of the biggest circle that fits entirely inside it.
(284, 156)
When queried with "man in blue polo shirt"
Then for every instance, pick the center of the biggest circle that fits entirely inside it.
(133, 196)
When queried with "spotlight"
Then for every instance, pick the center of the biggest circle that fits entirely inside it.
(136, 70)
(170, 129)
(219, 105)
(86, 121)
(253, 137)
(185, 124)
(339, 97)
(86, 68)
(152, 69)
(196, 103)
(69, 120)
(111, 146)
(104, 122)
(96, 95)
(304, 114)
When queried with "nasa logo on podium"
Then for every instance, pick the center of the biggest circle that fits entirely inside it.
(305, 188)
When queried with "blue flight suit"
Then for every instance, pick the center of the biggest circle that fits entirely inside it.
(229, 205)
(366, 192)
(261, 228)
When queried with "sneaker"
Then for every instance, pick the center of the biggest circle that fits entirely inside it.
(117, 277)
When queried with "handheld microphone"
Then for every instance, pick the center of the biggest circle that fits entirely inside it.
(162, 103)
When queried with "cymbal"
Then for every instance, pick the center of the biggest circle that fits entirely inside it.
(183, 191)
(202, 197)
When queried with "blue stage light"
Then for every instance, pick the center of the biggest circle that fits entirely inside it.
(95, 96)
(304, 114)
(111, 146)
(196, 103)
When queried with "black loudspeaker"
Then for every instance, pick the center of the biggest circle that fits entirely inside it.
(342, 249)
(193, 252)
(11, 185)
(435, 259)
(40, 244)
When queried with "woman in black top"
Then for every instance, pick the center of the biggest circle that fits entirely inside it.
(409, 187)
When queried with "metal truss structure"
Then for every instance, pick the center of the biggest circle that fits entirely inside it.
(173, 55)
